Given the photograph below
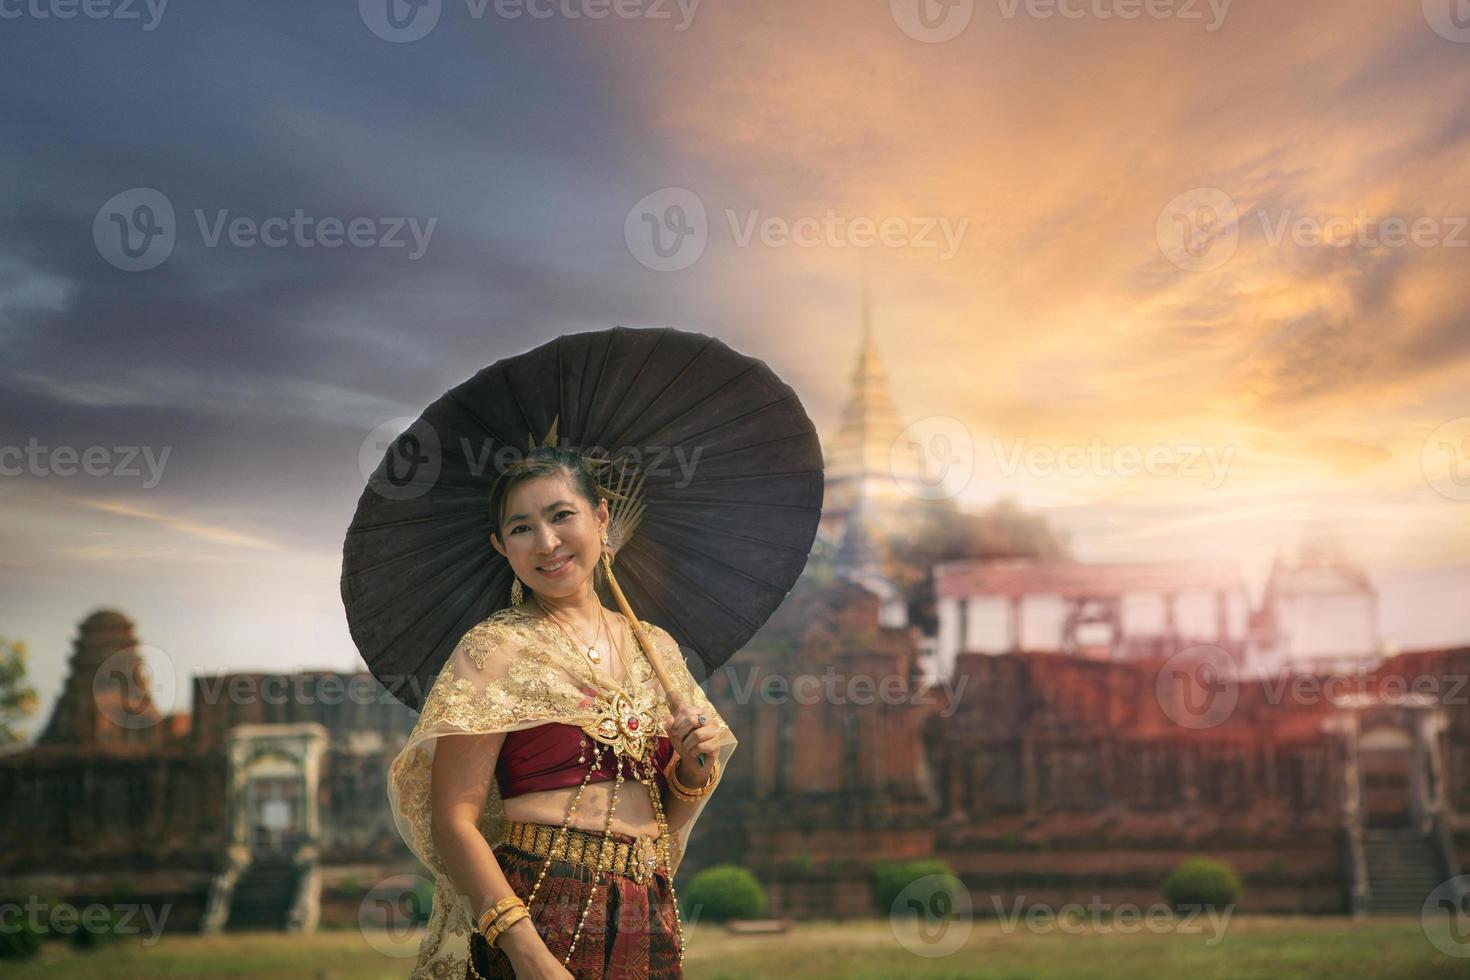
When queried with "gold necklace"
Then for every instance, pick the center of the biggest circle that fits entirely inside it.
(591, 648)
(591, 651)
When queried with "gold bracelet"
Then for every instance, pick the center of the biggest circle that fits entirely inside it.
(709, 782)
(505, 922)
(487, 919)
(683, 792)
(496, 910)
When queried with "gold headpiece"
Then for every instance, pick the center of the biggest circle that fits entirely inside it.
(619, 482)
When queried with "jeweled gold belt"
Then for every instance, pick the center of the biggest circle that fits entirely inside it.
(638, 860)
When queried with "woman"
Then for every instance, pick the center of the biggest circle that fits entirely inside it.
(511, 786)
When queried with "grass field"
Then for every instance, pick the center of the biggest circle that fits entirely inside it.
(1268, 948)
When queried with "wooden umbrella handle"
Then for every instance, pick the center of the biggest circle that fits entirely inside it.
(676, 703)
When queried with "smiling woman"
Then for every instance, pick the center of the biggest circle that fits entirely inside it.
(541, 702)
(540, 715)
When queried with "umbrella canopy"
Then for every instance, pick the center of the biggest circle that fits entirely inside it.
(731, 472)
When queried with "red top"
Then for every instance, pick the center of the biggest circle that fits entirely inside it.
(545, 757)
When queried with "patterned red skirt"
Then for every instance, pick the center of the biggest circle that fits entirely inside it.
(629, 932)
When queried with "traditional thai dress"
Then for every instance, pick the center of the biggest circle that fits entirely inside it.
(605, 898)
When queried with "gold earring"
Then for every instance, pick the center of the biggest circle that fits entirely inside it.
(517, 594)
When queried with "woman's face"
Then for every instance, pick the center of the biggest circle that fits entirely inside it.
(551, 536)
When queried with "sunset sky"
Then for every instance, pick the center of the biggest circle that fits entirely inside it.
(1099, 235)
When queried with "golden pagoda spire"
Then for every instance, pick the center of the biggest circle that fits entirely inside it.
(869, 419)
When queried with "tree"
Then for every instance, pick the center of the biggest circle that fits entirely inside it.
(17, 698)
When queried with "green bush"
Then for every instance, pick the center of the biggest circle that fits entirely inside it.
(890, 878)
(21, 940)
(725, 891)
(1202, 882)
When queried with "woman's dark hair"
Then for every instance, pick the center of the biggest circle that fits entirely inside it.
(538, 462)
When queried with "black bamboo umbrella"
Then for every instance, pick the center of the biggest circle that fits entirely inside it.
(727, 461)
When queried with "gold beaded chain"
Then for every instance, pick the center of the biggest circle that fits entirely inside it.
(604, 857)
(565, 823)
(651, 781)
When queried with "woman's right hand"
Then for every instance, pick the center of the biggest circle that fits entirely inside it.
(529, 955)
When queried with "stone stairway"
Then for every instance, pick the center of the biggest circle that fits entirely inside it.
(263, 896)
(1403, 868)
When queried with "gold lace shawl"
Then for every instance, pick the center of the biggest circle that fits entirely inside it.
(514, 671)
